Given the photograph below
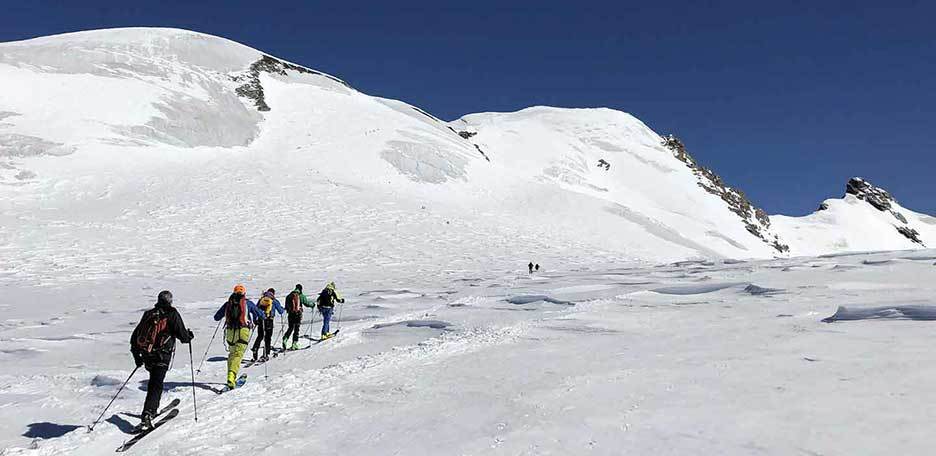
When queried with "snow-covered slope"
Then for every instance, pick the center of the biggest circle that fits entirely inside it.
(103, 130)
(866, 218)
(645, 179)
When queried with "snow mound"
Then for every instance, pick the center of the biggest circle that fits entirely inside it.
(759, 291)
(529, 299)
(695, 289)
(911, 312)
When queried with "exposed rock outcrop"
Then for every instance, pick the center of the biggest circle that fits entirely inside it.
(755, 219)
(881, 200)
(253, 89)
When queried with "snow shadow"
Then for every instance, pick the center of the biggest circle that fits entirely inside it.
(434, 324)
(918, 312)
(876, 262)
(761, 291)
(919, 257)
(169, 386)
(123, 425)
(684, 290)
(527, 299)
(103, 380)
(46, 430)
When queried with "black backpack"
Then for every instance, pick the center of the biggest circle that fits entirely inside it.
(232, 312)
(326, 298)
(152, 333)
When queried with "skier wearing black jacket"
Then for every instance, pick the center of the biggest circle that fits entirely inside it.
(152, 345)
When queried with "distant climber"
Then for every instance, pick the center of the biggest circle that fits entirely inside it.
(536, 267)
(530, 266)
(269, 306)
(295, 301)
(152, 345)
(602, 163)
(326, 305)
(238, 313)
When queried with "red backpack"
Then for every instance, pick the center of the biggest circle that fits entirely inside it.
(235, 312)
(153, 331)
(292, 303)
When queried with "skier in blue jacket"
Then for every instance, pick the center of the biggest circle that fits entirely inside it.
(269, 306)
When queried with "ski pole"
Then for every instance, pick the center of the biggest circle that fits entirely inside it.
(209, 346)
(91, 427)
(311, 321)
(282, 328)
(192, 368)
(340, 310)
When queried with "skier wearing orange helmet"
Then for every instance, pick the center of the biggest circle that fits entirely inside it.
(238, 313)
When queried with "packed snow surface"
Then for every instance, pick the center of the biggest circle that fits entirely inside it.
(669, 359)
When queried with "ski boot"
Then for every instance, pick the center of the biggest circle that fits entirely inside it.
(284, 344)
(146, 424)
(255, 355)
(295, 346)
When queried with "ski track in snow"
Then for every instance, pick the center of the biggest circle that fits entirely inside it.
(453, 368)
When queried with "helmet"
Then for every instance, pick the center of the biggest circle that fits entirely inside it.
(330, 285)
(240, 289)
(299, 287)
(271, 291)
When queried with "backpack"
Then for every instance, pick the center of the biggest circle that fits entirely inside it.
(234, 312)
(266, 305)
(326, 298)
(292, 303)
(152, 332)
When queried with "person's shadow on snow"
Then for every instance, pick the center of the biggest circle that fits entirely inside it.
(125, 426)
(169, 386)
(46, 430)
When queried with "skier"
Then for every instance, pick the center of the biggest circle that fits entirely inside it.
(152, 345)
(295, 301)
(268, 304)
(326, 305)
(531, 267)
(237, 326)
(536, 267)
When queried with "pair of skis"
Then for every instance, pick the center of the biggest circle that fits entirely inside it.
(173, 412)
(320, 340)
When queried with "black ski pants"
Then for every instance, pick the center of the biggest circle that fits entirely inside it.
(265, 334)
(154, 388)
(294, 320)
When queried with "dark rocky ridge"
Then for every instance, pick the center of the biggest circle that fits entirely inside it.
(881, 200)
(755, 219)
(253, 89)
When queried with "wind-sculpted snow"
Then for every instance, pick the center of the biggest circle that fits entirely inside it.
(433, 324)
(528, 299)
(761, 291)
(437, 353)
(695, 289)
(908, 312)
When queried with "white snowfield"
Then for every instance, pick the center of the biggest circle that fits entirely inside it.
(136, 160)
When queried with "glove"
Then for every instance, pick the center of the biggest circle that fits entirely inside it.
(341, 300)
(137, 359)
(191, 335)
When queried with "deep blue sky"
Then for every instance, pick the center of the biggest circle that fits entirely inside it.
(784, 100)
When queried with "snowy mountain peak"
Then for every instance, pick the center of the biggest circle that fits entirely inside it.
(875, 196)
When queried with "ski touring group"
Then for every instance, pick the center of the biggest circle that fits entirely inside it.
(152, 343)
